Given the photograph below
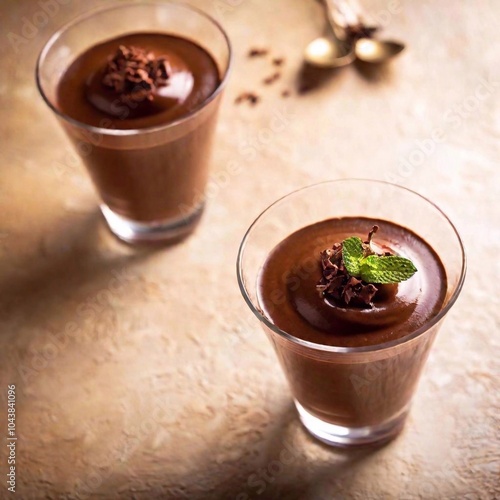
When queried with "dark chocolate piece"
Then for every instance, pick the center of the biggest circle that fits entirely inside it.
(250, 97)
(337, 284)
(257, 52)
(271, 79)
(135, 74)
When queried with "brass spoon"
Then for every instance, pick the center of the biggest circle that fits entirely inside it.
(376, 51)
(333, 51)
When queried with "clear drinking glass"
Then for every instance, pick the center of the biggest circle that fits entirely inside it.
(361, 394)
(163, 170)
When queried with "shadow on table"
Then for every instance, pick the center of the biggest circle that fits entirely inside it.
(79, 254)
(286, 464)
(296, 466)
(311, 78)
(373, 73)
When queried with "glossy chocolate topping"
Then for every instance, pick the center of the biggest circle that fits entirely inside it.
(288, 293)
(192, 77)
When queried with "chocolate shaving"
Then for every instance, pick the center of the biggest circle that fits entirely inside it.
(373, 230)
(337, 284)
(285, 93)
(135, 74)
(250, 97)
(271, 79)
(257, 52)
(278, 61)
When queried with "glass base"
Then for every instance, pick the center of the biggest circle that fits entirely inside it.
(151, 232)
(337, 435)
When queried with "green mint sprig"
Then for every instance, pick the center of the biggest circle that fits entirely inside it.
(361, 262)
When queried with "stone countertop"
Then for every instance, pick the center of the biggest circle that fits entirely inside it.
(128, 386)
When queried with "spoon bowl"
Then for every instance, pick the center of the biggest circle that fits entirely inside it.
(328, 53)
(376, 51)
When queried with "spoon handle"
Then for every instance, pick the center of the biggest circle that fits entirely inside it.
(346, 16)
(357, 10)
(356, 15)
(336, 19)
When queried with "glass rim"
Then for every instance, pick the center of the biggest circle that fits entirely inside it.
(338, 349)
(125, 132)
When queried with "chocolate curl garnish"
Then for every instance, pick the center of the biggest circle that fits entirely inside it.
(337, 284)
(373, 230)
(135, 74)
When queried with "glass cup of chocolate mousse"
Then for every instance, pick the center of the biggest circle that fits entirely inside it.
(351, 280)
(137, 87)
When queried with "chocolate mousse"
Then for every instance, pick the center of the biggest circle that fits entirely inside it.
(305, 290)
(295, 266)
(141, 82)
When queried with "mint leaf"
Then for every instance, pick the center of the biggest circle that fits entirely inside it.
(386, 269)
(361, 261)
(352, 253)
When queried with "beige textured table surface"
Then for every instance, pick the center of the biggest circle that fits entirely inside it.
(161, 394)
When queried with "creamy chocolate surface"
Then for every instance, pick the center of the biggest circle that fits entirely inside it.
(193, 77)
(288, 294)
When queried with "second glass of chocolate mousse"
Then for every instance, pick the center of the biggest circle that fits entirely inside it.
(137, 88)
(351, 280)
